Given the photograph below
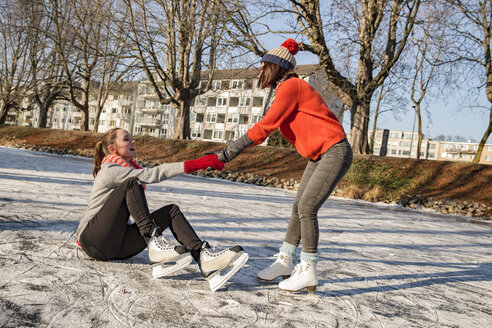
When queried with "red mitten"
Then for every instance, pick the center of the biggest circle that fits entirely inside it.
(202, 163)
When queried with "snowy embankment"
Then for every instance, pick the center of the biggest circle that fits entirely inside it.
(379, 266)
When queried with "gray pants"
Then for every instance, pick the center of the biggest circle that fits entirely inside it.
(318, 181)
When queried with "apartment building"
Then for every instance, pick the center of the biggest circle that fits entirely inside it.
(464, 152)
(235, 103)
(225, 112)
(396, 143)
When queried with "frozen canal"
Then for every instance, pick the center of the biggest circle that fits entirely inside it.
(380, 266)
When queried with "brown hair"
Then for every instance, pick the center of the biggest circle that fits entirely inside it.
(272, 74)
(101, 149)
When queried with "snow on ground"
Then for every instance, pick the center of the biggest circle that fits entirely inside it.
(379, 266)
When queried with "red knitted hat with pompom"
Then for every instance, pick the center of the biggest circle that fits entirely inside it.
(283, 56)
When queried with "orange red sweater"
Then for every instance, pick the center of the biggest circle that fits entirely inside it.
(302, 117)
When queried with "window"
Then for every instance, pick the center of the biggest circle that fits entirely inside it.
(112, 123)
(444, 154)
(237, 84)
(405, 152)
(257, 101)
(232, 118)
(211, 101)
(487, 158)
(233, 101)
(255, 119)
(432, 146)
(199, 117)
(430, 155)
(244, 102)
(211, 118)
(217, 134)
(393, 151)
(164, 132)
(464, 147)
(445, 146)
(165, 118)
(229, 135)
(243, 119)
(221, 101)
(489, 148)
(126, 110)
(195, 134)
(207, 134)
(216, 85)
(201, 101)
(113, 110)
(220, 118)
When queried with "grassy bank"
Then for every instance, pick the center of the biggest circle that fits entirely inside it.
(371, 178)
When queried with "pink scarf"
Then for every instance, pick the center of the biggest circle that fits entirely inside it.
(111, 158)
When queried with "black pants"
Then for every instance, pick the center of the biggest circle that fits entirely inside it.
(108, 236)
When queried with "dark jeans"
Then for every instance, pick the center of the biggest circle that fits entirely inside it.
(317, 183)
(108, 236)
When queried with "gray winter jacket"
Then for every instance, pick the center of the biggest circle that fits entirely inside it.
(112, 175)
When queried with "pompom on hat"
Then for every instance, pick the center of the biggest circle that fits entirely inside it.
(283, 56)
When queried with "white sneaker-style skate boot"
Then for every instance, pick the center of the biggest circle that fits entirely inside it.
(303, 276)
(282, 267)
(213, 264)
(167, 256)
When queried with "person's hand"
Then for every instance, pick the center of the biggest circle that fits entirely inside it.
(234, 148)
(203, 163)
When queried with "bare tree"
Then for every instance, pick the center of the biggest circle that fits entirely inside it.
(369, 36)
(471, 31)
(428, 45)
(13, 53)
(45, 70)
(91, 55)
(175, 40)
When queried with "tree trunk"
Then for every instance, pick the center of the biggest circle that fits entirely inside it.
(419, 141)
(486, 135)
(182, 127)
(373, 134)
(43, 115)
(359, 128)
(3, 112)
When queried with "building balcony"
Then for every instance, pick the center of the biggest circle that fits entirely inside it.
(151, 110)
(150, 122)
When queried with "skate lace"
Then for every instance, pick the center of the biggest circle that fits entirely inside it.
(297, 271)
(162, 243)
(281, 258)
(212, 253)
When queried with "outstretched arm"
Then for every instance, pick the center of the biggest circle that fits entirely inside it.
(234, 148)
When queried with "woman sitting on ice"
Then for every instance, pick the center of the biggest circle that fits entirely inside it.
(118, 192)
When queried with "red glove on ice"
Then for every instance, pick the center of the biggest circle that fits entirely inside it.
(202, 163)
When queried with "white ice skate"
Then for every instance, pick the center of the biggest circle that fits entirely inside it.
(167, 256)
(218, 268)
(282, 267)
(303, 276)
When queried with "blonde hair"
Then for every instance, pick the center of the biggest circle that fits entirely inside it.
(102, 149)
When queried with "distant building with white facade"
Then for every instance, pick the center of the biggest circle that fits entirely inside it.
(404, 144)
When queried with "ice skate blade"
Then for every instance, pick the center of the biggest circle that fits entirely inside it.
(160, 270)
(310, 289)
(216, 281)
(272, 280)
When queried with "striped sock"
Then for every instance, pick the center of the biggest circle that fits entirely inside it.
(288, 249)
(309, 257)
